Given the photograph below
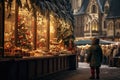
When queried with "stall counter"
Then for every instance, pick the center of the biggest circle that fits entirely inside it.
(30, 68)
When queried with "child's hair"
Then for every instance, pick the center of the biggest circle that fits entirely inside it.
(95, 41)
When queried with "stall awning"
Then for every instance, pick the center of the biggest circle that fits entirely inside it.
(84, 42)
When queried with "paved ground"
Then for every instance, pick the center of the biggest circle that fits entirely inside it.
(82, 73)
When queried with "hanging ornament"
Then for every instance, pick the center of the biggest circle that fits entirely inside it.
(12, 38)
(20, 37)
(27, 33)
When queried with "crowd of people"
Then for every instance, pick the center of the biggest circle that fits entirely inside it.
(109, 52)
(97, 54)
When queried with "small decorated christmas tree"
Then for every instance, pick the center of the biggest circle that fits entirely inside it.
(24, 39)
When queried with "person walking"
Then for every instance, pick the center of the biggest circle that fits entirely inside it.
(94, 58)
(82, 55)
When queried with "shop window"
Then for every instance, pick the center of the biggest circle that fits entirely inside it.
(9, 29)
(29, 31)
(20, 35)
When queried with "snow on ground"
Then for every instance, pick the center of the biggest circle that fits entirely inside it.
(86, 65)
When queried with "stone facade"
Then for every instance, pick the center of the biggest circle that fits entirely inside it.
(97, 18)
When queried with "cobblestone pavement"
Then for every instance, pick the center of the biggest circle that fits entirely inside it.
(83, 73)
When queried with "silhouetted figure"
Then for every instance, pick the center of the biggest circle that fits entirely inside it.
(94, 58)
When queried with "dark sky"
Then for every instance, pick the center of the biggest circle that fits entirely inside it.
(115, 8)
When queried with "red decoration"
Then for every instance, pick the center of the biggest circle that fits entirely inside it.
(18, 18)
(23, 43)
(27, 33)
(20, 37)
(12, 38)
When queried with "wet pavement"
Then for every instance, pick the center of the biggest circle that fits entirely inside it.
(83, 73)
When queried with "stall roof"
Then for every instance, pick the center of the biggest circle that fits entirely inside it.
(84, 42)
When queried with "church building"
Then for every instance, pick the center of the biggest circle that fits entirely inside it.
(97, 18)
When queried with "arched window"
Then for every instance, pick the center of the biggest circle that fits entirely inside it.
(87, 27)
(94, 9)
(94, 26)
(106, 9)
(118, 25)
(110, 26)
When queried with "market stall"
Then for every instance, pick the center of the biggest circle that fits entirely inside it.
(36, 26)
(34, 34)
(30, 68)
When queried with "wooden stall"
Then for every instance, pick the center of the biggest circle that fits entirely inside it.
(30, 68)
(36, 38)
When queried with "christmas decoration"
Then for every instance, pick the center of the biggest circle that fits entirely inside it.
(61, 10)
(24, 39)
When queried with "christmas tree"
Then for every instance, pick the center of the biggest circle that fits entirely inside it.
(24, 39)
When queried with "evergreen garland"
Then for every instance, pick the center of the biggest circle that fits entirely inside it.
(63, 10)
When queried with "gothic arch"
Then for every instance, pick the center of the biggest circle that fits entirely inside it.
(93, 9)
(106, 9)
(110, 26)
(87, 27)
(117, 25)
(94, 25)
(87, 19)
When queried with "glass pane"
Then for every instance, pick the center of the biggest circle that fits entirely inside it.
(1, 28)
(9, 26)
(25, 26)
(41, 32)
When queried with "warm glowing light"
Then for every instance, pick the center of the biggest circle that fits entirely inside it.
(52, 30)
